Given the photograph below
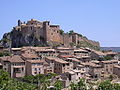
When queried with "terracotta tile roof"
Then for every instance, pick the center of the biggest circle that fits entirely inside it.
(80, 50)
(110, 61)
(80, 66)
(110, 53)
(18, 66)
(14, 58)
(4, 58)
(95, 65)
(45, 50)
(35, 61)
(73, 59)
(65, 51)
(117, 66)
(25, 55)
(100, 53)
(46, 64)
(82, 56)
(70, 72)
(95, 61)
(57, 60)
(63, 48)
(66, 56)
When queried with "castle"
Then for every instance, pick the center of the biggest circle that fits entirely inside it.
(35, 33)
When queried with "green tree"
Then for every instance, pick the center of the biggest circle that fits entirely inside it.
(73, 86)
(116, 86)
(82, 85)
(107, 58)
(105, 85)
(3, 53)
(61, 31)
(58, 85)
(71, 32)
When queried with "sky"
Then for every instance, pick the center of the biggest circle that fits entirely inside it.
(99, 20)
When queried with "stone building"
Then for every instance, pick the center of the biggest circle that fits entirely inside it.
(14, 65)
(108, 66)
(116, 70)
(59, 66)
(37, 33)
(34, 67)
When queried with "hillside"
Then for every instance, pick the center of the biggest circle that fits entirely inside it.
(37, 33)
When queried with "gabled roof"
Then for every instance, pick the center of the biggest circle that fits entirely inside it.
(26, 55)
(110, 53)
(57, 60)
(73, 59)
(100, 53)
(110, 61)
(66, 56)
(35, 61)
(14, 58)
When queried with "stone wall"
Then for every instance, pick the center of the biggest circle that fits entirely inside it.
(35, 33)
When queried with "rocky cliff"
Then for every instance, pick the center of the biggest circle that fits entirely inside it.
(35, 33)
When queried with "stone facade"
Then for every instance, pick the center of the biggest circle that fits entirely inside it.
(37, 33)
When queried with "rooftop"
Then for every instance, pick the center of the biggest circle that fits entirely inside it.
(110, 61)
(14, 58)
(25, 55)
(57, 60)
(36, 61)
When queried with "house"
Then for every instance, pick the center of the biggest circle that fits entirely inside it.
(60, 66)
(116, 70)
(95, 70)
(73, 62)
(81, 52)
(16, 51)
(44, 52)
(34, 67)
(14, 65)
(96, 55)
(108, 65)
(65, 51)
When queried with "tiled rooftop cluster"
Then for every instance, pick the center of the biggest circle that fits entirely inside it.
(71, 64)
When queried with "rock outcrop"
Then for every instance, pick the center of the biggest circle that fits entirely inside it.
(36, 33)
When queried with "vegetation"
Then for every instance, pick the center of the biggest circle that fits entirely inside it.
(72, 44)
(61, 31)
(86, 44)
(71, 32)
(104, 85)
(42, 82)
(81, 85)
(3, 53)
(7, 83)
(107, 58)
(107, 85)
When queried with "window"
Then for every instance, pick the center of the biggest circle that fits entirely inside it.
(35, 69)
(22, 68)
(35, 72)
(5, 69)
(31, 28)
(17, 70)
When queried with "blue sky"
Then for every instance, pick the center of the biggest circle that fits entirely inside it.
(97, 19)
